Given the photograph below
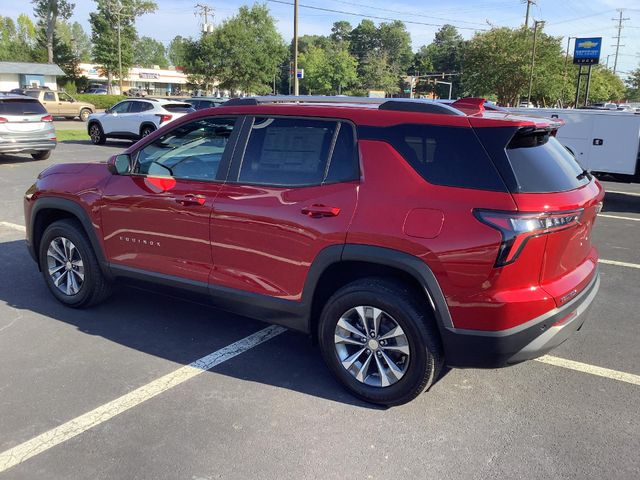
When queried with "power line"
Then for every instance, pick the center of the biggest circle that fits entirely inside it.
(204, 10)
(374, 17)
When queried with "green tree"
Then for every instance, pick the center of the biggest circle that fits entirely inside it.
(177, 50)
(328, 71)
(48, 12)
(341, 32)
(244, 53)
(18, 43)
(74, 36)
(633, 85)
(315, 63)
(104, 32)
(148, 52)
(604, 86)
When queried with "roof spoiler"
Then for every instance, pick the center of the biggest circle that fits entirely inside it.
(470, 105)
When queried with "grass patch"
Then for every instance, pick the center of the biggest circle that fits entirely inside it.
(65, 135)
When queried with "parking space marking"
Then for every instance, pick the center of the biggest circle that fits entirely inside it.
(13, 226)
(619, 264)
(20, 453)
(619, 192)
(618, 217)
(590, 369)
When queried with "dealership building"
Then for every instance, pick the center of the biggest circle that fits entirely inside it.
(23, 74)
(156, 81)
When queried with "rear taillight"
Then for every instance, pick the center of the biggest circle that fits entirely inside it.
(164, 117)
(47, 118)
(518, 228)
(3, 120)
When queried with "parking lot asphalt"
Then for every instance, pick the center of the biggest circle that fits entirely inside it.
(273, 411)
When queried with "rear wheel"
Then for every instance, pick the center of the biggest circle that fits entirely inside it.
(379, 341)
(147, 130)
(84, 114)
(96, 134)
(41, 155)
(70, 267)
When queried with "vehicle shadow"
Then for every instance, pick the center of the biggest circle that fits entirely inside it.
(621, 203)
(109, 143)
(177, 330)
(12, 159)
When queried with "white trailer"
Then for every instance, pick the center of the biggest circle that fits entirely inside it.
(602, 141)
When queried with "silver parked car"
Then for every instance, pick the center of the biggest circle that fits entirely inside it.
(25, 127)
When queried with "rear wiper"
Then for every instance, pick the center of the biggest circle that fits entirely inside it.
(585, 173)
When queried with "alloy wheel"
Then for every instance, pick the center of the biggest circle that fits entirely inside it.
(94, 133)
(65, 266)
(372, 346)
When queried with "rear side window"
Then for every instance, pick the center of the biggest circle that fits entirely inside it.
(21, 106)
(541, 164)
(451, 156)
(296, 152)
(178, 108)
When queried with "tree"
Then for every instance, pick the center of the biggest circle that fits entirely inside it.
(148, 52)
(48, 12)
(315, 63)
(497, 64)
(633, 85)
(18, 43)
(104, 32)
(395, 44)
(177, 51)
(341, 32)
(605, 85)
(328, 71)
(244, 53)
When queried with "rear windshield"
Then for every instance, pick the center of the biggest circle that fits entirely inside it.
(541, 164)
(178, 108)
(21, 106)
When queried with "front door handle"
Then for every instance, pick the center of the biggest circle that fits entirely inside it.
(317, 211)
(191, 199)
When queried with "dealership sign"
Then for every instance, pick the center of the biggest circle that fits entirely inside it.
(587, 51)
(149, 76)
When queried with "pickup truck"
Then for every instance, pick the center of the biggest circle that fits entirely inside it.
(61, 104)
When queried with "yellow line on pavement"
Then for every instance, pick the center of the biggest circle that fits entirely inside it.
(41, 443)
(591, 369)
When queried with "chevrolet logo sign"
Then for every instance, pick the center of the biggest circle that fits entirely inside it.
(588, 44)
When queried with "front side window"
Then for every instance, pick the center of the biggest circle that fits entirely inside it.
(64, 97)
(193, 150)
(294, 152)
(122, 107)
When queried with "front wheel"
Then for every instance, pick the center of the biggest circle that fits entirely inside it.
(379, 339)
(97, 134)
(70, 267)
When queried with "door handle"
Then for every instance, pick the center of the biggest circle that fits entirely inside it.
(317, 211)
(191, 199)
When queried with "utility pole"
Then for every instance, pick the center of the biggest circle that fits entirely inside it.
(566, 61)
(526, 18)
(117, 8)
(203, 10)
(296, 82)
(533, 56)
(618, 37)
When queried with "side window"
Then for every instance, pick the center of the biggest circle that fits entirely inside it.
(49, 97)
(287, 152)
(344, 160)
(191, 151)
(122, 107)
(63, 97)
(137, 107)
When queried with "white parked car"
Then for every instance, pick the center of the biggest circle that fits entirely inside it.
(135, 118)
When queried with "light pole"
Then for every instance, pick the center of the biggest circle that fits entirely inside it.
(533, 57)
(296, 82)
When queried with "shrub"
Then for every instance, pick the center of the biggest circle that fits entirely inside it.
(100, 101)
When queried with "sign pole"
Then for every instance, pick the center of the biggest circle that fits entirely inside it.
(575, 103)
(586, 95)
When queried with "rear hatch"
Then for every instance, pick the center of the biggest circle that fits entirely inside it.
(556, 199)
(24, 119)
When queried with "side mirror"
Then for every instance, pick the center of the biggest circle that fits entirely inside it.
(108, 110)
(120, 164)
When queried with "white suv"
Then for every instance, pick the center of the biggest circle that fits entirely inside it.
(134, 119)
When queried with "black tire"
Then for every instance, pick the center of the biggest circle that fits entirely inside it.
(410, 311)
(97, 134)
(146, 130)
(95, 287)
(84, 114)
(41, 155)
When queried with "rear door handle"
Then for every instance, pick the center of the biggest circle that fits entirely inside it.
(317, 211)
(191, 199)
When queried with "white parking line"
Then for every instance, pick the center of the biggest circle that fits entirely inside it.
(13, 226)
(633, 194)
(78, 425)
(618, 217)
(591, 369)
(619, 264)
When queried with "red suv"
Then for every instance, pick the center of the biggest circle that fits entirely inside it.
(402, 235)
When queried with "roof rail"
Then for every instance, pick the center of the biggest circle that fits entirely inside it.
(394, 104)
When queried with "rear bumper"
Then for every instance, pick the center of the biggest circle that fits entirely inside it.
(492, 349)
(27, 146)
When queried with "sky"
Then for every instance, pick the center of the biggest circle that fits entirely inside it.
(582, 18)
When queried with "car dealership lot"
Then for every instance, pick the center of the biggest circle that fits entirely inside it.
(273, 410)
